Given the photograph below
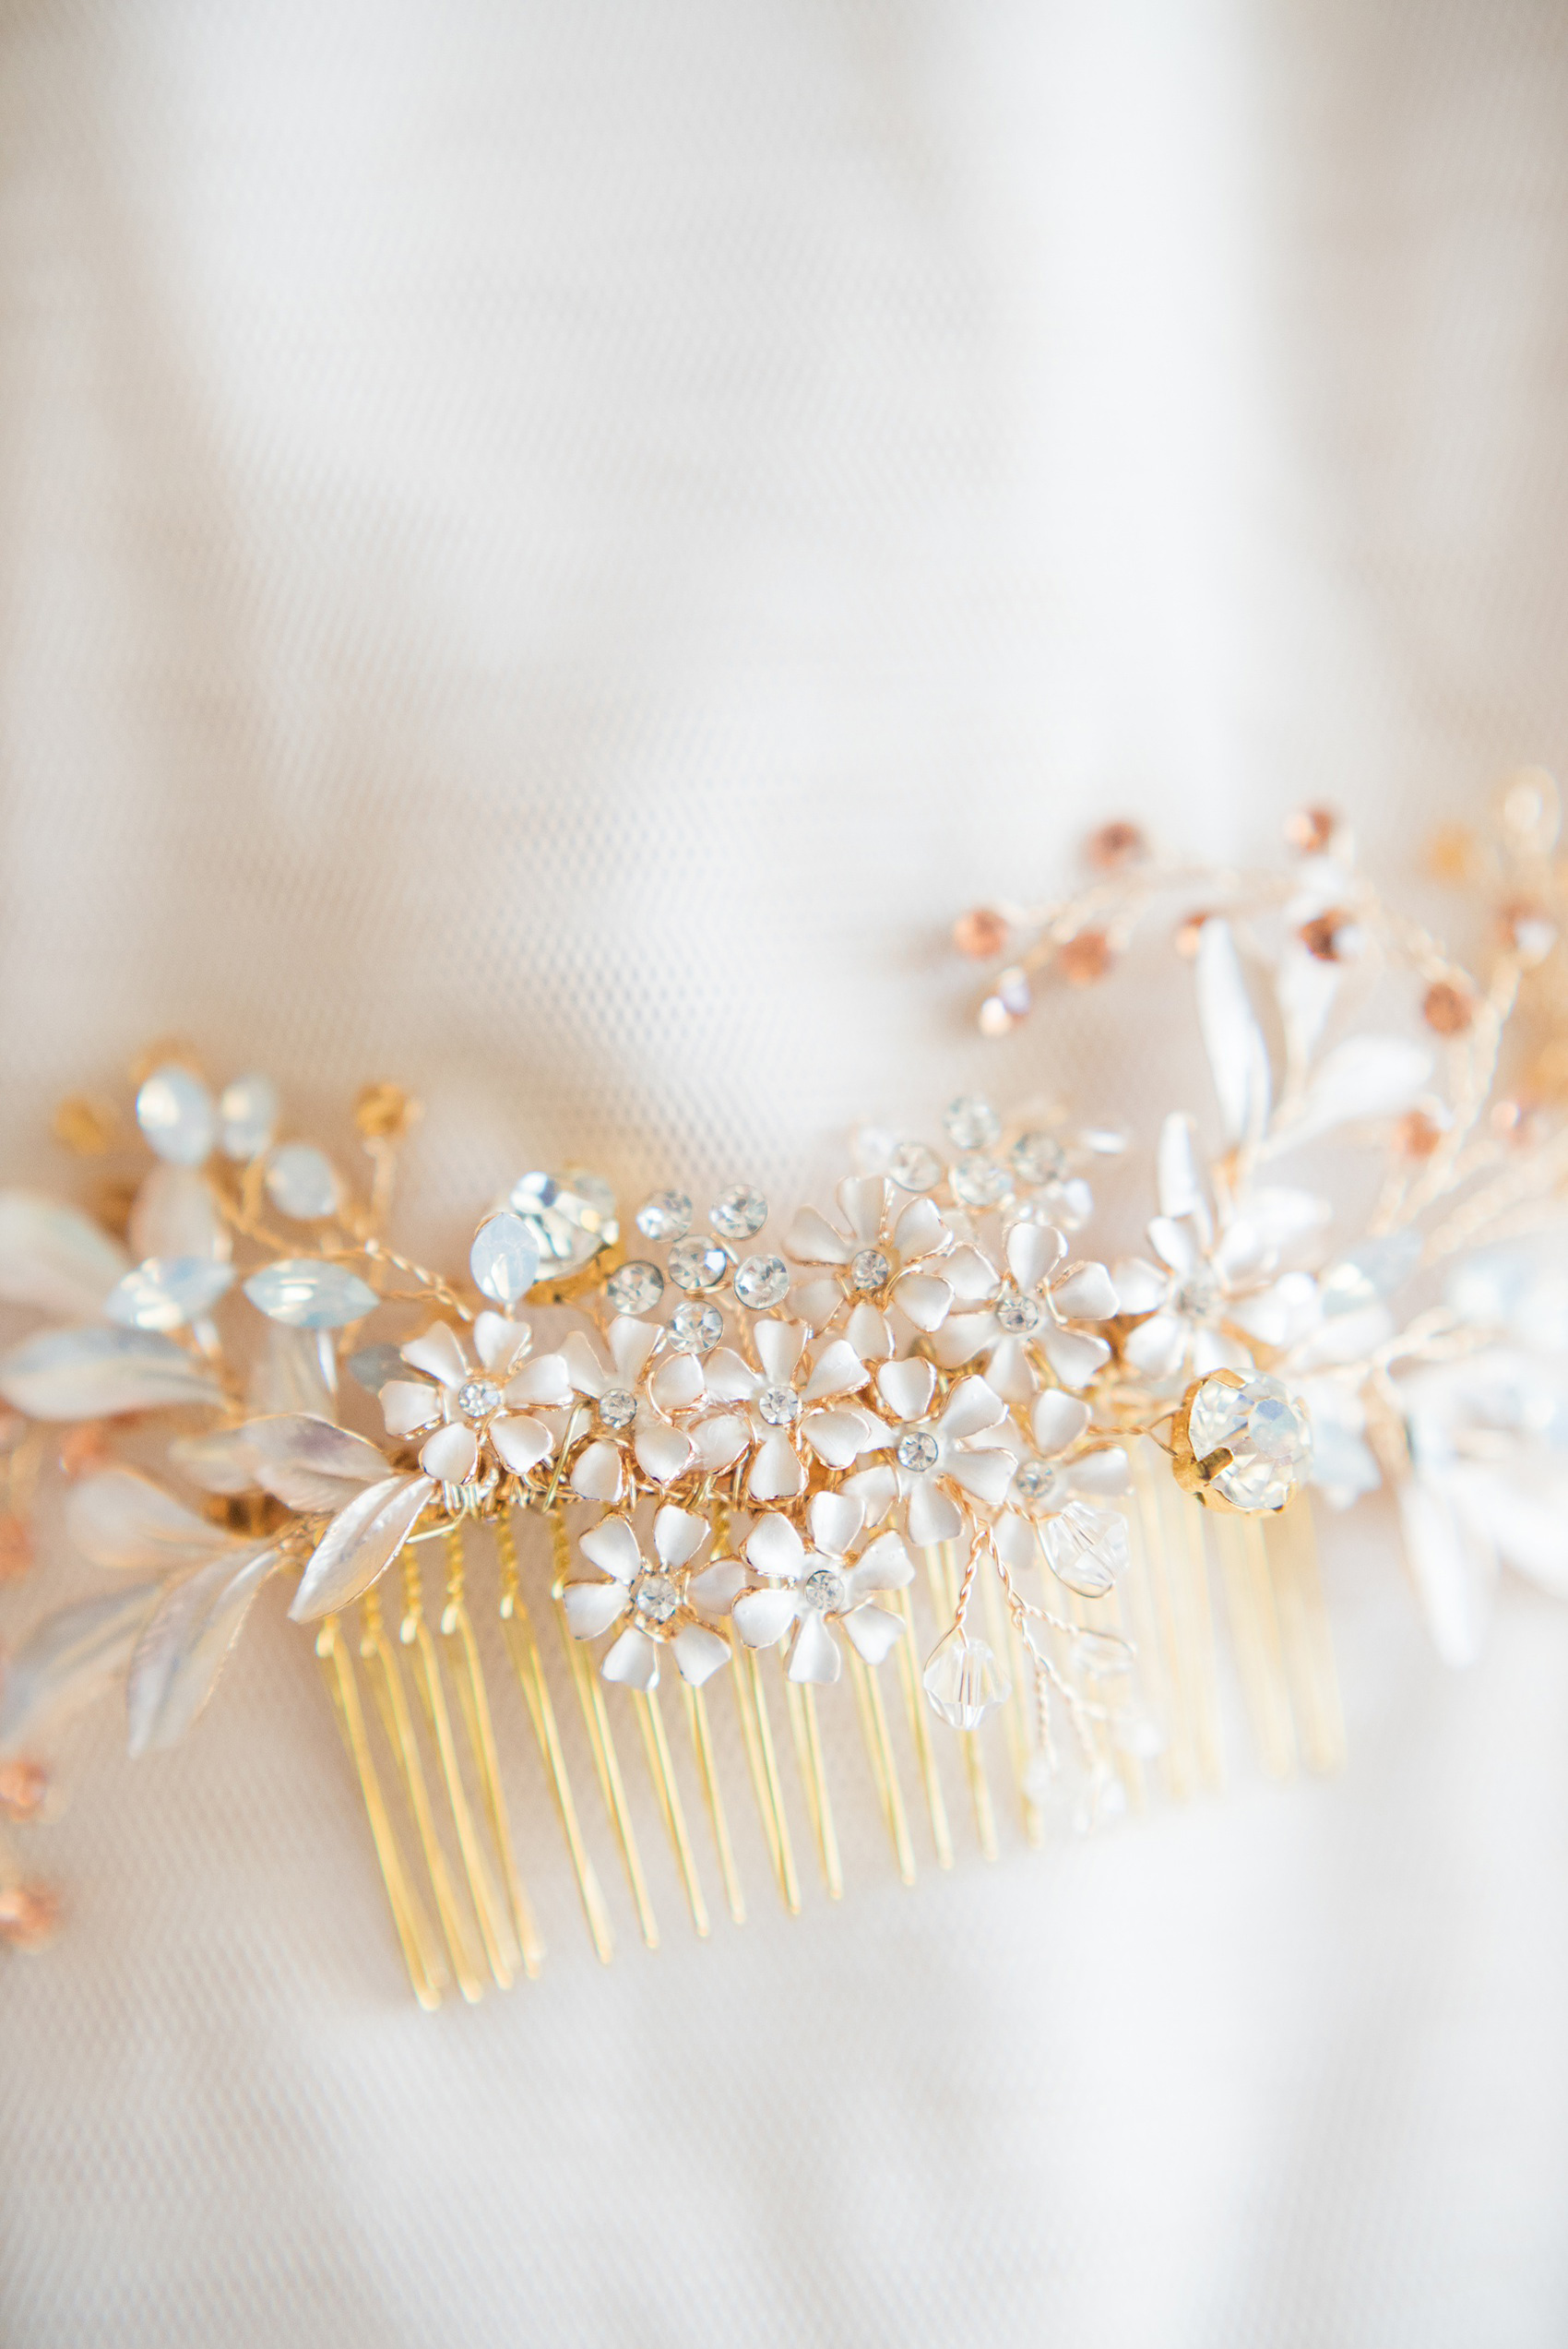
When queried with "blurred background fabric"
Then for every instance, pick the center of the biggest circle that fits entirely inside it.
(548, 552)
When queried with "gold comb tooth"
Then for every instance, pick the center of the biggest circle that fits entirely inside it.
(807, 1739)
(522, 1646)
(884, 1768)
(473, 1701)
(756, 1732)
(1255, 1631)
(1156, 1661)
(919, 1715)
(661, 1769)
(1291, 1544)
(1158, 1562)
(602, 1744)
(942, 1569)
(701, 1731)
(380, 1658)
(427, 1976)
(1197, 1620)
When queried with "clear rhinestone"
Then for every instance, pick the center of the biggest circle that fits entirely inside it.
(826, 1591)
(665, 1216)
(617, 1407)
(971, 1123)
(780, 1406)
(477, 1398)
(1267, 1435)
(656, 1598)
(1036, 1482)
(1037, 1158)
(697, 1264)
(740, 1211)
(302, 1183)
(964, 1680)
(1086, 1548)
(570, 1216)
(914, 1168)
(695, 1329)
(1198, 1294)
(870, 1269)
(981, 1182)
(762, 1281)
(635, 1287)
(917, 1452)
(1020, 1317)
(1101, 1653)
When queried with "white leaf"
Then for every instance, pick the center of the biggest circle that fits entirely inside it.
(1305, 985)
(185, 1645)
(54, 1256)
(175, 1214)
(69, 1659)
(361, 1543)
(1232, 1038)
(309, 1462)
(121, 1519)
(221, 1463)
(1365, 1077)
(95, 1373)
(1178, 1178)
(297, 1370)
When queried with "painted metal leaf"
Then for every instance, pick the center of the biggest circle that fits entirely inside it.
(359, 1544)
(1452, 1565)
(505, 1259)
(185, 1643)
(69, 1659)
(1305, 987)
(54, 1256)
(168, 1292)
(1364, 1077)
(99, 1371)
(123, 1520)
(293, 1370)
(1178, 1176)
(1232, 1039)
(311, 1463)
(305, 1293)
(221, 1463)
(175, 1214)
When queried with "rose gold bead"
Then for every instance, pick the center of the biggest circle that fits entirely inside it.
(23, 1785)
(16, 1548)
(1187, 934)
(1447, 1009)
(29, 1915)
(981, 933)
(1115, 845)
(1309, 830)
(1332, 936)
(1084, 958)
(1416, 1135)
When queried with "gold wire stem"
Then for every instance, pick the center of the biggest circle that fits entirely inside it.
(702, 1746)
(1003, 1636)
(942, 1568)
(462, 1649)
(1291, 1544)
(414, 1634)
(884, 1768)
(807, 1739)
(602, 1744)
(661, 1769)
(756, 1732)
(1254, 1629)
(386, 1680)
(919, 1715)
(522, 1646)
(426, 1972)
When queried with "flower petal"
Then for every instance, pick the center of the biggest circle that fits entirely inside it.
(1074, 1357)
(920, 1231)
(438, 1352)
(886, 1566)
(451, 1455)
(985, 1475)
(835, 1521)
(971, 1407)
(585, 1371)
(631, 1341)
(862, 1200)
(934, 1516)
(876, 1489)
(662, 1451)
(774, 1547)
(835, 1437)
(719, 1443)
(522, 1443)
(699, 1653)
(633, 1662)
(1033, 1251)
(1085, 1294)
(678, 1535)
(907, 1388)
(1104, 1472)
(715, 1590)
(923, 1299)
(875, 1632)
(545, 1383)
(778, 1345)
(838, 1370)
(612, 1547)
(814, 1658)
(1058, 1420)
(971, 1276)
(811, 1239)
(868, 1332)
(777, 1475)
(761, 1617)
(409, 1404)
(1157, 1346)
(677, 1385)
(500, 1342)
(1141, 1287)
(1176, 1243)
(591, 1608)
(596, 1473)
(729, 1379)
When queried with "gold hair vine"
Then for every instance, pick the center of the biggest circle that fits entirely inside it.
(927, 1442)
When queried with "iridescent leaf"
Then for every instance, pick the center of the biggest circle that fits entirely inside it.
(359, 1544)
(183, 1646)
(1365, 1077)
(96, 1373)
(168, 1292)
(293, 1370)
(505, 1259)
(305, 1293)
(221, 1463)
(69, 1659)
(309, 1462)
(1232, 1039)
(123, 1520)
(175, 1214)
(54, 1256)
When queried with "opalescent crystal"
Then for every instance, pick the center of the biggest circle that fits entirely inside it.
(304, 1294)
(302, 1183)
(174, 1110)
(167, 1292)
(247, 1115)
(503, 1260)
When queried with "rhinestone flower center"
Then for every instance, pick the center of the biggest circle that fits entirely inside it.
(617, 1407)
(656, 1598)
(477, 1398)
(780, 1406)
(826, 1591)
(870, 1269)
(917, 1452)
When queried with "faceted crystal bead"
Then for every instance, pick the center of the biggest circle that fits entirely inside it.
(914, 1168)
(869, 1269)
(665, 1216)
(697, 1264)
(1019, 1316)
(739, 1212)
(174, 1110)
(248, 1113)
(302, 1183)
(1086, 1548)
(964, 1680)
(1097, 1654)
(824, 1590)
(916, 1452)
(571, 1216)
(503, 1260)
(1036, 1158)
(780, 1406)
(695, 1329)
(656, 1598)
(1267, 1435)
(477, 1398)
(635, 1287)
(761, 1281)
(981, 1182)
(971, 1123)
(617, 1407)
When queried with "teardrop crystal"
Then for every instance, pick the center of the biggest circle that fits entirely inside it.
(174, 1110)
(505, 1259)
(964, 1680)
(302, 1183)
(247, 1114)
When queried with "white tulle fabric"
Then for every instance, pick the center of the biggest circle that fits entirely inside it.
(547, 551)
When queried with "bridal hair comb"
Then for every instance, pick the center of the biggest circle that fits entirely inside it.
(928, 1453)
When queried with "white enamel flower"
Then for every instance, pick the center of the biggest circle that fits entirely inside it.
(932, 1454)
(615, 1379)
(1054, 1496)
(777, 1395)
(887, 1257)
(814, 1591)
(662, 1596)
(1043, 1299)
(476, 1409)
